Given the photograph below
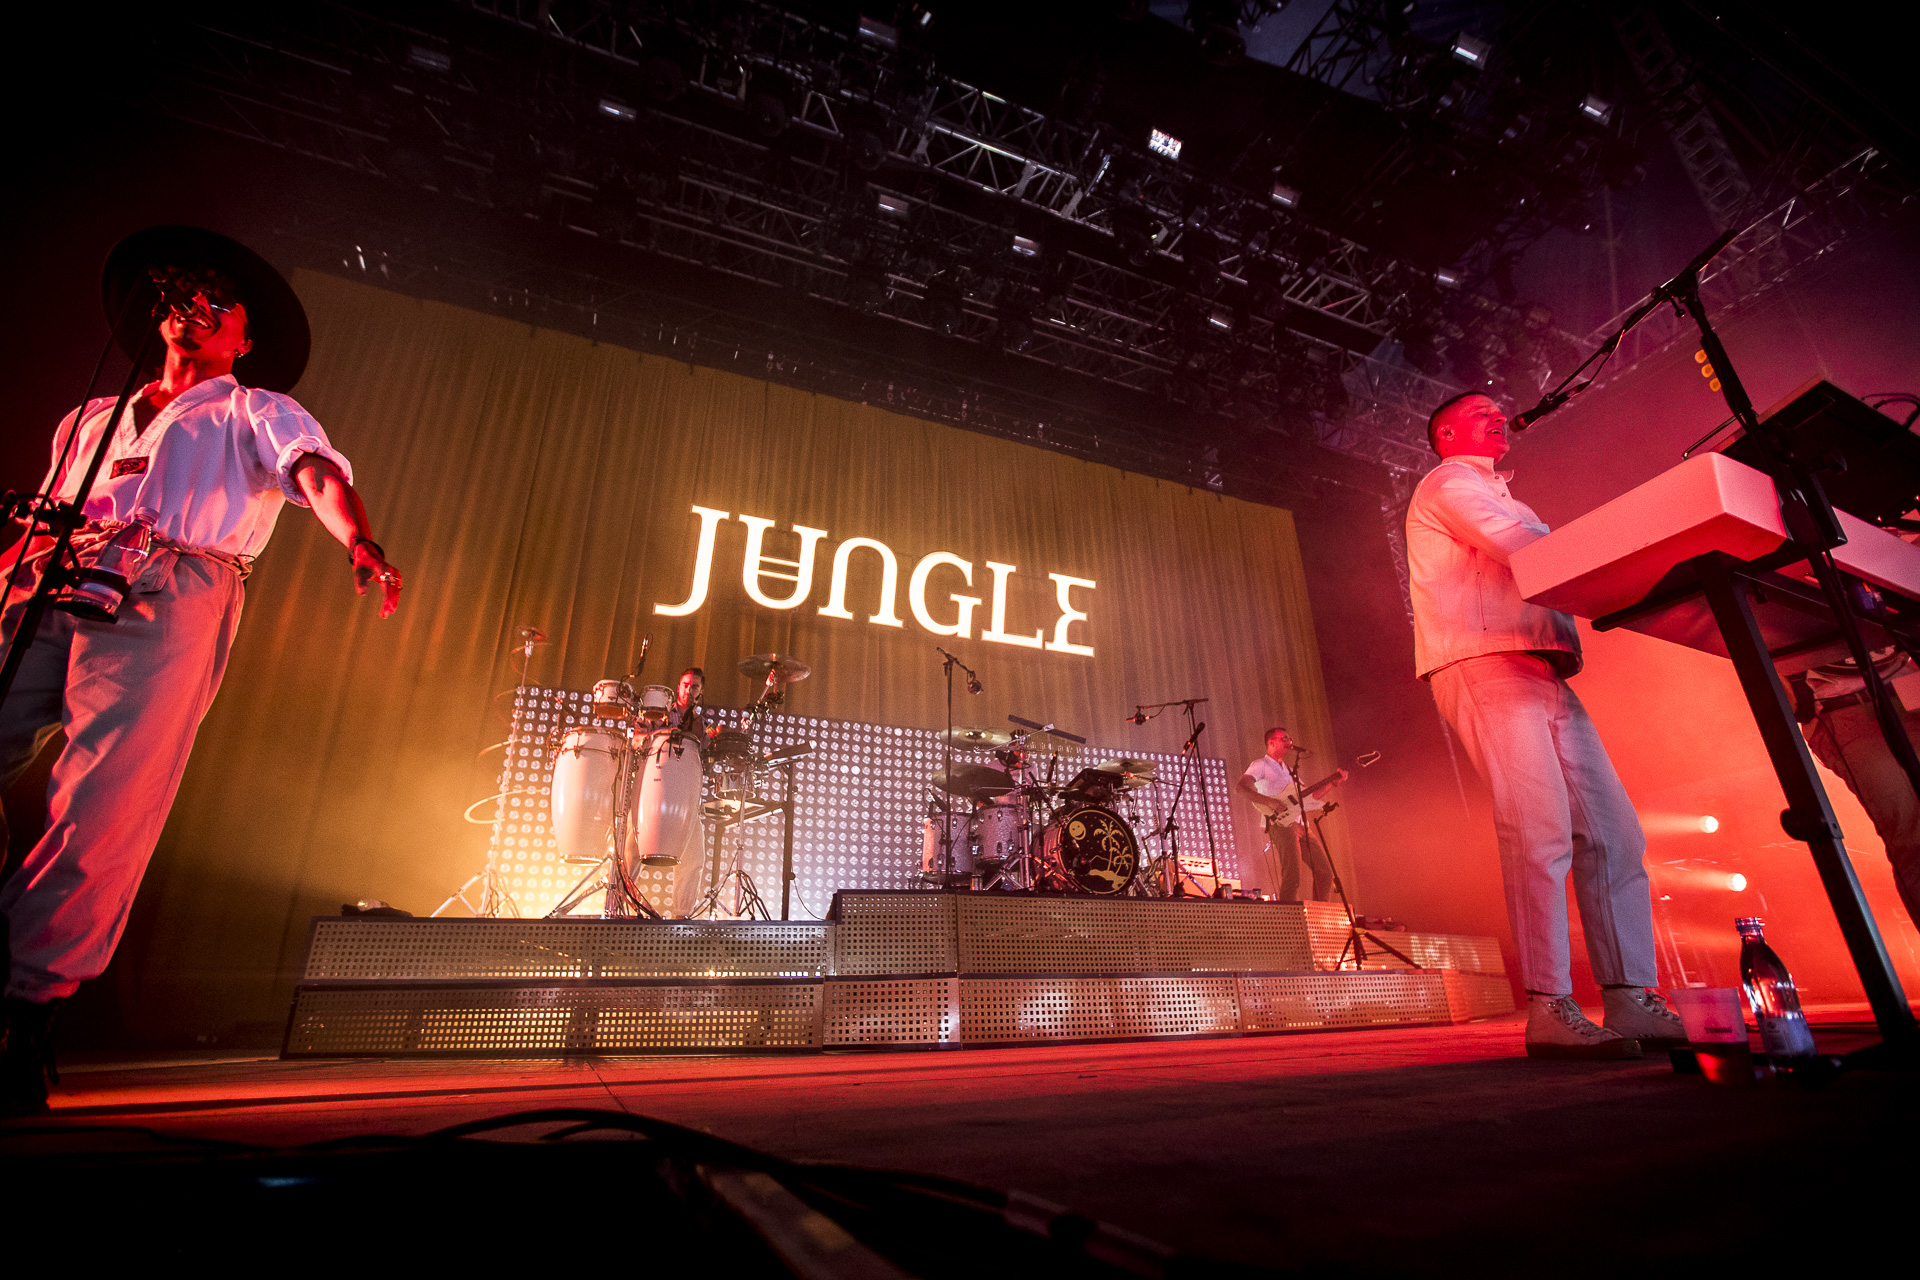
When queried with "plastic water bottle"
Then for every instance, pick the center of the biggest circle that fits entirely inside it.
(1772, 997)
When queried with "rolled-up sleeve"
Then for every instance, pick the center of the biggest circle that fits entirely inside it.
(1476, 515)
(284, 433)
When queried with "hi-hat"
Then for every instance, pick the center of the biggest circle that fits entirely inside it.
(784, 666)
(973, 781)
(973, 735)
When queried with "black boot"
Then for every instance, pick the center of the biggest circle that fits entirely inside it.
(26, 1056)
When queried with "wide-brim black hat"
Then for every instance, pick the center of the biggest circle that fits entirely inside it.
(276, 322)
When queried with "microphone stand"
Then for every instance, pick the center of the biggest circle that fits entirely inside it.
(65, 517)
(1173, 876)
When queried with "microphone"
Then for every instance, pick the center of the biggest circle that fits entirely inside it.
(973, 684)
(1527, 417)
(1299, 750)
(532, 635)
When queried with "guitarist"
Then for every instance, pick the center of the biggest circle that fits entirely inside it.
(1271, 786)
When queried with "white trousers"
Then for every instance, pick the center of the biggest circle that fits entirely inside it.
(130, 695)
(1557, 806)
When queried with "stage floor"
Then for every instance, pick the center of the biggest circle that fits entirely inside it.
(1381, 1151)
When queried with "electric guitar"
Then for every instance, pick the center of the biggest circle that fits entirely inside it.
(1299, 803)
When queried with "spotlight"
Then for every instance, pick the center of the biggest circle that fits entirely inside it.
(893, 205)
(429, 59)
(618, 110)
(1448, 277)
(1016, 333)
(1221, 318)
(1284, 196)
(766, 113)
(1164, 143)
(1596, 108)
(1026, 246)
(1709, 824)
(1737, 882)
(866, 149)
(878, 32)
(1471, 50)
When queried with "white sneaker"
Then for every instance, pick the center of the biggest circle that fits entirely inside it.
(1557, 1029)
(1642, 1015)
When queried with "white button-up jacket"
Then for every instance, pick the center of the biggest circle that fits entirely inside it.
(1462, 526)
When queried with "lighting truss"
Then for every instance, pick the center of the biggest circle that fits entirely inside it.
(353, 90)
(1807, 225)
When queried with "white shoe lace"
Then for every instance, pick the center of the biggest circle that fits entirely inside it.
(1575, 1018)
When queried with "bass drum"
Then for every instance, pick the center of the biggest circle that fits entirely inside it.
(580, 796)
(665, 819)
(1088, 848)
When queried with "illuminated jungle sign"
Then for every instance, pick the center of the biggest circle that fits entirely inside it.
(757, 567)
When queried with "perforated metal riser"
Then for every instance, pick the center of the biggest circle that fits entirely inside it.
(1126, 935)
(1475, 995)
(373, 949)
(1280, 1002)
(553, 1020)
(908, 1011)
(1327, 928)
(1061, 1008)
(894, 933)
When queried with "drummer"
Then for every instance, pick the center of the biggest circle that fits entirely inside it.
(684, 712)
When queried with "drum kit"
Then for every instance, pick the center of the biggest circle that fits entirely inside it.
(1000, 819)
(626, 789)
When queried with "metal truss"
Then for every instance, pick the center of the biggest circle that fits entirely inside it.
(1806, 226)
(356, 91)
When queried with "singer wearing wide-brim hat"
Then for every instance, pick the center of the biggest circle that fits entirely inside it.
(131, 654)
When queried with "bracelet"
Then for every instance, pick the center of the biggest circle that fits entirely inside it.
(377, 548)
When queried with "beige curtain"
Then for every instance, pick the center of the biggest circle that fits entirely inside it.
(520, 475)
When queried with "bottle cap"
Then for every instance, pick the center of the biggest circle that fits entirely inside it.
(1752, 924)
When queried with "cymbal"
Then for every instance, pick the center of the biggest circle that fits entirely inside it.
(973, 735)
(785, 667)
(973, 781)
(1128, 764)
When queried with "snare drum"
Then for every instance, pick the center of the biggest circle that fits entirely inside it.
(655, 701)
(933, 858)
(1088, 848)
(585, 771)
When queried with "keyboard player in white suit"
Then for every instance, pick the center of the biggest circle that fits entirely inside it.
(1499, 669)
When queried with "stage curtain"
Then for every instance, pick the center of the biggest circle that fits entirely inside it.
(520, 475)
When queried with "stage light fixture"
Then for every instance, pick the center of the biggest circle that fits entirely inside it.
(1737, 882)
(1026, 246)
(1471, 50)
(893, 205)
(1448, 277)
(1285, 196)
(1596, 108)
(1221, 318)
(429, 59)
(618, 110)
(881, 33)
(1709, 824)
(1164, 144)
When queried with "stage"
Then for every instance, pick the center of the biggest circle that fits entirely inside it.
(1374, 1151)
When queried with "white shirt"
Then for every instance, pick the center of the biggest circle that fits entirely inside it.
(1462, 526)
(213, 468)
(1270, 777)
